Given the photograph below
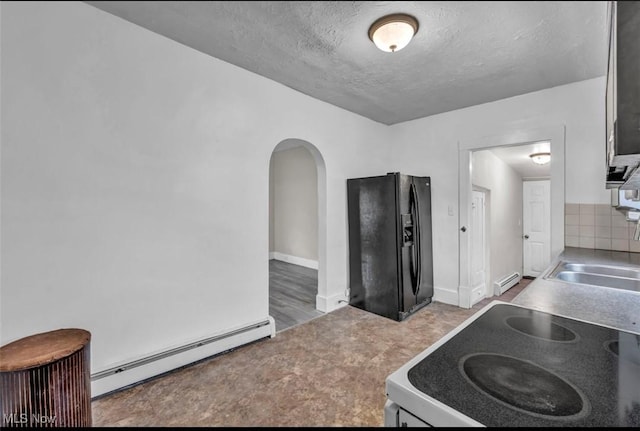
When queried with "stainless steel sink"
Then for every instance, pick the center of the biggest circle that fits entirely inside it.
(598, 275)
(615, 271)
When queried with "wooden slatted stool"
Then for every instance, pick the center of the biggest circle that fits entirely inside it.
(45, 380)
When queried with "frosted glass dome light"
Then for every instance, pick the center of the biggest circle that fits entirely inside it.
(540, 158)
(391, 33)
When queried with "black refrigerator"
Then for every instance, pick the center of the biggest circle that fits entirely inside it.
(390, 247)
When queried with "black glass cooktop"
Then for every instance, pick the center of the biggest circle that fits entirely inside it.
(515, 366)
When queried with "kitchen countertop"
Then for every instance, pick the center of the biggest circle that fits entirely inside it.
(615, 308)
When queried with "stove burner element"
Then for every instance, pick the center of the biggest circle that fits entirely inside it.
(613, 346)
(544, 329)
(523, 385)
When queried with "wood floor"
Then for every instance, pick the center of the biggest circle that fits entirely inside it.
(329, 371)
(292, 294)
(293, 289)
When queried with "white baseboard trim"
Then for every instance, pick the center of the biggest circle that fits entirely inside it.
(127, 374)
(307, 263)
(446, 296)
(330, 303)
(471, 295)
(464, 296)
(478, 293)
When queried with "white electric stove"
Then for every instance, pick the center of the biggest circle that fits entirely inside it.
(509, 365)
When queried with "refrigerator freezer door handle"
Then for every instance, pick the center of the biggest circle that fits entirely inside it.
(415, 252)
(418, 238)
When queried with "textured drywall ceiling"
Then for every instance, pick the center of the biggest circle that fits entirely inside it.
(465, 53)
(517, 157)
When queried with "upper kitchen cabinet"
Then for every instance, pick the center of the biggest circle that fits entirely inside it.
(623, 96)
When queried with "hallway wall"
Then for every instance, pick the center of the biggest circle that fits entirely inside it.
(505, 239)
(293, 205)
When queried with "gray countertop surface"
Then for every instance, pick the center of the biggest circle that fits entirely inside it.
(615, 308)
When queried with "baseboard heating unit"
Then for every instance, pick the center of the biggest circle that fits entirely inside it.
(506, 283)
(137, 371)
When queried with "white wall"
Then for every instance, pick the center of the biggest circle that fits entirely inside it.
(294, 203)
(505, 219)
(430, 146)
(135, 182)
(135, 178)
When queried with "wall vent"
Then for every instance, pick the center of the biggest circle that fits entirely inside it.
(506, 283)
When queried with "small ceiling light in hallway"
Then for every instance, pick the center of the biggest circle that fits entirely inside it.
(393, 32)
(540, 158)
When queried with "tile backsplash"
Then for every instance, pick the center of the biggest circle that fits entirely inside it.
(598, 226)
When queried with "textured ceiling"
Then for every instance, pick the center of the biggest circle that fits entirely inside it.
(465, 53)
(517, 157)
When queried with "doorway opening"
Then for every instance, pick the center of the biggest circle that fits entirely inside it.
(502, 166)
(296, 232)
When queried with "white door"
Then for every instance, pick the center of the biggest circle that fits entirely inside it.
(536, 226)
(477, 247)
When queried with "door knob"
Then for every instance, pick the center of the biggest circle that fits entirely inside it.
(526, 237)
(463, 229)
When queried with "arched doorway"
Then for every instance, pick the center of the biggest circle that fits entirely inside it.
(297, 233)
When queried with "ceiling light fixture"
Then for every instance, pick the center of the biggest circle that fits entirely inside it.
(393, 32)
(540, 158)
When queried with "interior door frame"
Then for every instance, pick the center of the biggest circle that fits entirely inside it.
(556, 136)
